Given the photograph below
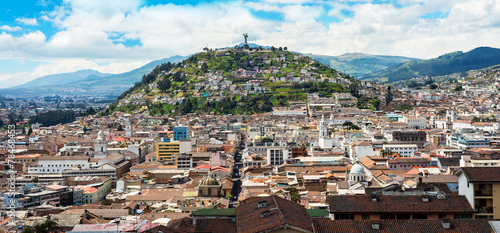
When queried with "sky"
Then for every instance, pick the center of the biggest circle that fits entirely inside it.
(43, 37)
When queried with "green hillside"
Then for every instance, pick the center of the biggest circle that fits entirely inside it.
(232, 81)
(360, 64)
(455, 62)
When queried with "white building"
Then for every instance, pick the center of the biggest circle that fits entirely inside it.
(404, 150)
(467, 161)
(57, 164)
(278, 155)
(415, 122)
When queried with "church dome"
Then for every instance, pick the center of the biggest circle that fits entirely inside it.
(209, 181)
(357, 169)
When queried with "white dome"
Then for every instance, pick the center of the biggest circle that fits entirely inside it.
(357, 169)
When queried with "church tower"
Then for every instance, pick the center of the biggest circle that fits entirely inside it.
(322, 127)
(451, 116)
(128, 128)
(100, 146)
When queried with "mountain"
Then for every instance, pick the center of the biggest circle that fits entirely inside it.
(237, 81)
(59, 79)
(94, 84)
(450, 63)
(359, 64)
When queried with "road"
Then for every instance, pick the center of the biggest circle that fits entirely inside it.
(238, 164)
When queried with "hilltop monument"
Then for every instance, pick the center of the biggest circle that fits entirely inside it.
(245, 46)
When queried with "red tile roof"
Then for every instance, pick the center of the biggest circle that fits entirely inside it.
(400, 226)
(482, 174)
(398, 204)
(280, 213)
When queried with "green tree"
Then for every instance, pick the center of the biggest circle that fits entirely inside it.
(48, 226)
(164, 85)
(433, 86)
(293, 194)
(12, 117)
(1, 122)
(458, 88)
(476, 119)
(30, 131)
(107, 202)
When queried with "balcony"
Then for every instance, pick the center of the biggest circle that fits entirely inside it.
(484, 209)
(483, 193)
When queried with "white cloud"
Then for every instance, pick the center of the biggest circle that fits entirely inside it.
(27, 21)
(10, 29)
(91, 32)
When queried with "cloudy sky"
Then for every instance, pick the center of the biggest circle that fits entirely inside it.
(43, 37)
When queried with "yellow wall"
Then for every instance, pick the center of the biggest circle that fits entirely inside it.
(165, 150)
(496, 201)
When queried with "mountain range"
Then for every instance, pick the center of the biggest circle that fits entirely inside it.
(85, 82)
(363, 66)
(456, 62)
(360, 64)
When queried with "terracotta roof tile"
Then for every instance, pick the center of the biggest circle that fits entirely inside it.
(401, 226)
(398, 204)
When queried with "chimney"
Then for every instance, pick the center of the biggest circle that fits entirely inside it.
(374, 198)
(446, 223)
(425, 198)
(376, 225)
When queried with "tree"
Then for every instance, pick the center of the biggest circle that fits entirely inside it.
(285, 48)
(30, 131)
(12, 117)
(107, 202)
(476, 119)
(48, 226)
(1, 122)
(348, 125)
(458, 88)
(433, 86)
(164, 85)
(34, 179)
(293, 194)
(120, 128)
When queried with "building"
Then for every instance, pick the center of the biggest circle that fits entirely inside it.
(278, 155)
(481, 187)
(383, 207)
(416, 137)
(404, 150)
(166, 150)
(57, 164)
(180, 133)
(465, 143)
(273, 214)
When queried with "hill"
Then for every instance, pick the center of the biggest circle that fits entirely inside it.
(59, 79)
(455, 62)
(359, 64)
(91, 85)
(233, 81)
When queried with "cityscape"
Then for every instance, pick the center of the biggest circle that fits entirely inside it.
(263, 132)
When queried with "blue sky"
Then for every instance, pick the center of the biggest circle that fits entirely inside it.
(43, 37)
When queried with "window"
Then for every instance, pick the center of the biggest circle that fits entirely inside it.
(441, 216)
(344, 216)
(365, 216)
(387, 216)
(419, 216)
(463, 216)
(403, 216)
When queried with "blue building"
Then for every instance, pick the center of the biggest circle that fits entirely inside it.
(180, 133)
(16, 201)
(77, 197)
